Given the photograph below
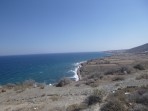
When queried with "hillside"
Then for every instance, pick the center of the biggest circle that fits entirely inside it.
(139, 49)
(114, 83)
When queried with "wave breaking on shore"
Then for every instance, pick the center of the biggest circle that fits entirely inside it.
(75, 71)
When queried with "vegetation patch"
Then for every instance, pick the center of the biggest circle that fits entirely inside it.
(90, 81)
(143, 76)
(3, 90)
(20, 87)
(116, 78)
(9, 86)
(63, 82)
(119, 70)
(139, 67)
(76, 107)
(96, 76)
(113, 105)
(127, 99)
(55, 98)
(139, 107)
(96, 97)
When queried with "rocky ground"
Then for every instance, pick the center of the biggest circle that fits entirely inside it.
(101, 80)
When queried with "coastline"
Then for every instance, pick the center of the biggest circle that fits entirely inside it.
(75, 93)
(76, 71)
(50, 70)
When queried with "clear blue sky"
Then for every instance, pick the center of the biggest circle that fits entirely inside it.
(55, 26)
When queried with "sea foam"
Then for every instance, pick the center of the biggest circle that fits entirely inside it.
(75, 71)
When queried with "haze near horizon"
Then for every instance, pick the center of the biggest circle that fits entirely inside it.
(49, 26)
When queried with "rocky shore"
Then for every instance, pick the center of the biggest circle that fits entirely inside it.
(122, 78)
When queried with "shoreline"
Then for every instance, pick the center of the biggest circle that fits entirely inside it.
(76, 71)
(78, 91)
(81, 64)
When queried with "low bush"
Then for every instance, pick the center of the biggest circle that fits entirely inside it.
(96, 97)
(93, 99)
(55, 98)
(138, 107)
(96, 76)
(3, 90)
(29, 82)
(111, 72)
(119, 70)
(113, 105)
(139, 67)
(126, 70)
(76, 107)
(20, 87)
(9, 86)
(64, 82)
(143, 76)
(140, 96)
(90, 81)
(40, 85)
(128, 99)
(117, 78)
(143, 99)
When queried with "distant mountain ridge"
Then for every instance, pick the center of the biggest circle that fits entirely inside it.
(139, 49)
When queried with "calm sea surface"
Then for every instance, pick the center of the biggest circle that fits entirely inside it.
(48, 68)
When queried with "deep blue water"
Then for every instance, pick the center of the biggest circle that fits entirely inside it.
(48, 68)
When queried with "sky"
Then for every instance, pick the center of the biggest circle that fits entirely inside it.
(58, 26)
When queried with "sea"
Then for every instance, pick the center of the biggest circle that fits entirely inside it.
(43, 68)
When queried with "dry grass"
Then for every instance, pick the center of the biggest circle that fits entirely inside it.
(113, 105)
(20, 87)
(138, 107)
(127, 99)
(139, 67)
(63, 82)
(96, 97)
(143, 76)
(117, 78)
(90, 82)
(76, 107)
(9, 86)
(57, 109)
(55, 98)
(119, 70)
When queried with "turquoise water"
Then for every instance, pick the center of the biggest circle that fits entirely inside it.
(48, 68)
